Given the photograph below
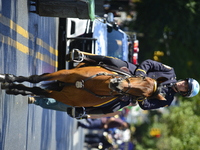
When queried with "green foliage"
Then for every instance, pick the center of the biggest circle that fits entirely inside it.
(180, 128)
(179, 21)
(171, 26)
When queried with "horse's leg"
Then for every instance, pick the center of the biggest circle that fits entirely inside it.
(12, 78)
(35, 78)
(22, 89)
(17, 92)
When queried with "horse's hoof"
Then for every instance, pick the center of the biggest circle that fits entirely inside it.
(7, 78)
(5, 85)
(2, 77)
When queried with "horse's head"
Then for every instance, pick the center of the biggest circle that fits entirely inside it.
(137, 86)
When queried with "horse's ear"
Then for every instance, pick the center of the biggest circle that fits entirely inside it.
(160, 97)
(161, 79)
(125, 69)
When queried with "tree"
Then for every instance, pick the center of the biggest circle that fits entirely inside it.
(179, 21)
(182, 128)
(172, 26)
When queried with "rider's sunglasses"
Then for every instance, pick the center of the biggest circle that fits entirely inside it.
(185, 93)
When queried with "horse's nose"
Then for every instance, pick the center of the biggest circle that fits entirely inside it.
(113, 86)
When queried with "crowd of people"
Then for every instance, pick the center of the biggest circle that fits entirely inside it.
(111, 132)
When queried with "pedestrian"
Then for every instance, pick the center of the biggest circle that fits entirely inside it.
(104, 123)
(98, 141)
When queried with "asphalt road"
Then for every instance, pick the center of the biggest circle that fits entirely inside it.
(28, 45)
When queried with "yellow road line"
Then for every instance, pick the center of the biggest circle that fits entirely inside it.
(19, 29)
(12, 25)
(20, 47)
(46, 46)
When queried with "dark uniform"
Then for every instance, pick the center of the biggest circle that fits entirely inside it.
(155, 70)
(148, 68)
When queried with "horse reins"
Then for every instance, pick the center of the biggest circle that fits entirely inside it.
(142, 98)
(80, 84)
(129, 87)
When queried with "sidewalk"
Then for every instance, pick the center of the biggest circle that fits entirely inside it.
(78, 137)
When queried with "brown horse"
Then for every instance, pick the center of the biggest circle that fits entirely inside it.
(85, 86)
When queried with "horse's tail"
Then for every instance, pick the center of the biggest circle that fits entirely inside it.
(56, 86)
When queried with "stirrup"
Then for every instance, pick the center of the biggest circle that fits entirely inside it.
(78, 114)
(76, 56)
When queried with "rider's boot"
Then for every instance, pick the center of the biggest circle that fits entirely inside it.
(79, 56)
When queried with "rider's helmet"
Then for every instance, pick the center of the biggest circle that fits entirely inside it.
(193, 88)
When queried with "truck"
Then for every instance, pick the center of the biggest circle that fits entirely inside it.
(101, 36)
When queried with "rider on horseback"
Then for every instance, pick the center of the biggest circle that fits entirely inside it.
(187, 88)
(142, 70)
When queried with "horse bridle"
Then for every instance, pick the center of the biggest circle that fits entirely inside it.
(117, 81)
(155, 92)
(139, 98)
(80, 84)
